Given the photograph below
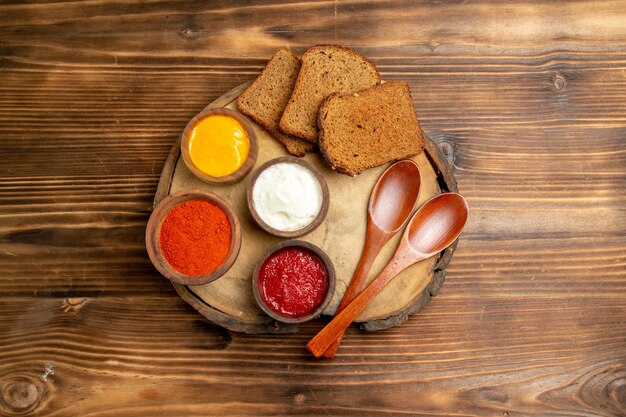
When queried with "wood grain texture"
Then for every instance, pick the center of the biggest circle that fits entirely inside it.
(527, 99)
(178, 364)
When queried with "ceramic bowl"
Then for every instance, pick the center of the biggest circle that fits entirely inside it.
(243, 170)
(284, 233)
(153, 233)
(329, 269)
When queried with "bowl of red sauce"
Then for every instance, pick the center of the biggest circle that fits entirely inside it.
(193, 237)
(294, 281)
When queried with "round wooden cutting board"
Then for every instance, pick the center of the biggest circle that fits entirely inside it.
(229, 301)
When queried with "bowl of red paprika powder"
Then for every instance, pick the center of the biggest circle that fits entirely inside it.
(294, 281)
(193, 237)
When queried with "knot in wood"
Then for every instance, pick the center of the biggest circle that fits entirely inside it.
(19, 394)
(189, 33)
(299, 399)
(448, 150)
(73, 305)
(559, 82)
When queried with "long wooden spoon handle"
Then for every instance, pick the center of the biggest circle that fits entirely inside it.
(337, 326)
(374, 243)
(375, 240)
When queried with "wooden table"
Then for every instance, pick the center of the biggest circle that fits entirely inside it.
(527, 98)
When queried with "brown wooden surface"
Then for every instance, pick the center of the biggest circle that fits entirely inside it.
(527, 98)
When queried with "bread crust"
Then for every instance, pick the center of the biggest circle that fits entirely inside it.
(299, 93)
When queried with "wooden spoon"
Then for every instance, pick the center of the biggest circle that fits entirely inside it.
(433, 227)
(392, 200)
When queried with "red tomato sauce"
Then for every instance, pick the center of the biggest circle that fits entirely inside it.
(293, 282)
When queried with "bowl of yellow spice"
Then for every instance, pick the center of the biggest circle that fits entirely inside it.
(219, 145)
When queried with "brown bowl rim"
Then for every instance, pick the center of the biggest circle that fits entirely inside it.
(153, 236)
(319, 219)
(248, 164)
(330, 269)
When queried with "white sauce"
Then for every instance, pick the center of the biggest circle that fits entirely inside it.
(287, 196)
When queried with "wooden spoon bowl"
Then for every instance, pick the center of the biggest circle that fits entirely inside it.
(253, 152)
(329, 269)
(438, 224)
(153, 236)
(293, 233)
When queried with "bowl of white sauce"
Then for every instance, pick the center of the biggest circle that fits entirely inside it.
(288, 197)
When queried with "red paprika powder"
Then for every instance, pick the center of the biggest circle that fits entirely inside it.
(195, 237)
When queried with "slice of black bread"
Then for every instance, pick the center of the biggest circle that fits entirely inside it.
(326, 69)
(265, 99)
(369, 128)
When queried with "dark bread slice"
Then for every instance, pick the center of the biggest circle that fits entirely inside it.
(369, 128)
(295, 146)
(265, 99)
(326, 69)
